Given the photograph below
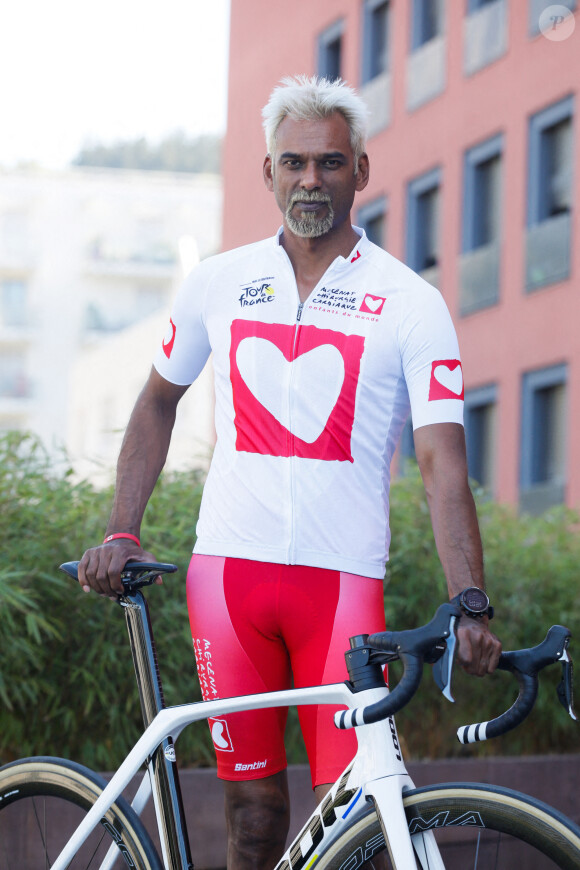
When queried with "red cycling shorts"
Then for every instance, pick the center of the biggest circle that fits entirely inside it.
(261, 627)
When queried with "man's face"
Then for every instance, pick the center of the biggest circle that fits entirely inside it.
(312, 174)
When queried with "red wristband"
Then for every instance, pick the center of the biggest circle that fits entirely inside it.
(122, 535)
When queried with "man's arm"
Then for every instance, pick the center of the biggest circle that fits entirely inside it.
(440, 450)
(141, 459)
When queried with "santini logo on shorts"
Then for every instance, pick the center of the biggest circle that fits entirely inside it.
(257, 765)
(446, 380)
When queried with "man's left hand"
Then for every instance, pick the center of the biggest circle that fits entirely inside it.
(478, 649)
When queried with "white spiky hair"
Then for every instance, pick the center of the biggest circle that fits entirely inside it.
(309, 98)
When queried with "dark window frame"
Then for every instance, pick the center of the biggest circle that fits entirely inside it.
(371, 211)
(416, 189)
(330, 35)
(475, 400)
(539, 124)
(371, 66)
(418, 24)
(474, 159)
(533, 383)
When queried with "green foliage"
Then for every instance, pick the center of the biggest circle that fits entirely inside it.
(67, 684)
(532, 567)
(66, 678)
(175, 153)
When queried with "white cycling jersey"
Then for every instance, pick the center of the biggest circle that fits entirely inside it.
(310, 398)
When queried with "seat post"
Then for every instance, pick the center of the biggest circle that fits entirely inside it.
(162, 765)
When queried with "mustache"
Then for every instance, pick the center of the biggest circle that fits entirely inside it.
(308, 196)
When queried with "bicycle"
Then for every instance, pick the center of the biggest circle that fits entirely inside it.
(372, 805)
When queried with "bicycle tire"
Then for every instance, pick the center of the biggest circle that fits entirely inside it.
(36, 791)
(518, 831)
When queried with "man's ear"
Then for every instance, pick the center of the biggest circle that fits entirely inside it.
(362, 173)
(267, 172)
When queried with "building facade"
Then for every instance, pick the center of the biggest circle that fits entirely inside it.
(474, 152)
(85, 256)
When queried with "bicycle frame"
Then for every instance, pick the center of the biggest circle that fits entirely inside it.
(377, 772)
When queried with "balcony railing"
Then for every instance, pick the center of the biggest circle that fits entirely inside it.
(479, 278)
(377, 96)
(155, 261)
(548, 252)
(485, 36)
(426, 72)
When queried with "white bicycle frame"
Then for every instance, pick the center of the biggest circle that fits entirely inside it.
(377, 773)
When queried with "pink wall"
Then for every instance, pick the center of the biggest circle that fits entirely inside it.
(523, 331)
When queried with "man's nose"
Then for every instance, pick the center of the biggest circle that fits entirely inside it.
(310, 179)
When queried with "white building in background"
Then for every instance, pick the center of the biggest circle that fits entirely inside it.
(105, 382)
(89, 262)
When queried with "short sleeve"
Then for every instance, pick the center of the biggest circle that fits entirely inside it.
(430, 357)
(185, 348)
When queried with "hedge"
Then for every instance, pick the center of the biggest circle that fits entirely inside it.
(66, 678)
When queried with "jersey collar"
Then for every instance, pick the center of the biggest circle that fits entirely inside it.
(340, 262)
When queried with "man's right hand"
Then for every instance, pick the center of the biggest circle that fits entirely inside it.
(100, 568)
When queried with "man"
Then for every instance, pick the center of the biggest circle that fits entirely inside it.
(321, 341)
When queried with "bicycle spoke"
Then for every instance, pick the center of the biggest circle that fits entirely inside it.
(42, 830)
(477, 850)
(497, 849)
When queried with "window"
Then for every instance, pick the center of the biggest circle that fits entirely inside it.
(426, 22)
(330, 52)
(407, 446)
(481, 231)
(13, 303)
(14, 232)
(426, 63)
(149, 299)
(376, 87)
(539, 8)
(549, 195)
(543, 438)
(482, 195)
(423, 206)
(372, 218)
(485, 34)
(474, 5)
(375, 39)
(13, 378)
(479, 417)
(553, 168)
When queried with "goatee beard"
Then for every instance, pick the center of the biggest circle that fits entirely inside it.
(309, 225)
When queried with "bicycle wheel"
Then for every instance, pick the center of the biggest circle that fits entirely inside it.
(42, 801)
(481, 827)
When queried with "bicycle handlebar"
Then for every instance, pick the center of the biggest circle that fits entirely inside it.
(411, 647)
(422, 644)
(525, 664)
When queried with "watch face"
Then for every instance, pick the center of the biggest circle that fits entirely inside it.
(475, 599)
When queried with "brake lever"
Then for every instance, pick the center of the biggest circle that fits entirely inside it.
(443, 667)
(565, 688)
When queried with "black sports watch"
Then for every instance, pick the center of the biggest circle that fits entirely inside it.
(474, 603)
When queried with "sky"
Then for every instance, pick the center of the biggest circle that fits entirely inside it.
(75, 71)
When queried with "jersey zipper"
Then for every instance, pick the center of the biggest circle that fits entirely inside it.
(292, 543)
